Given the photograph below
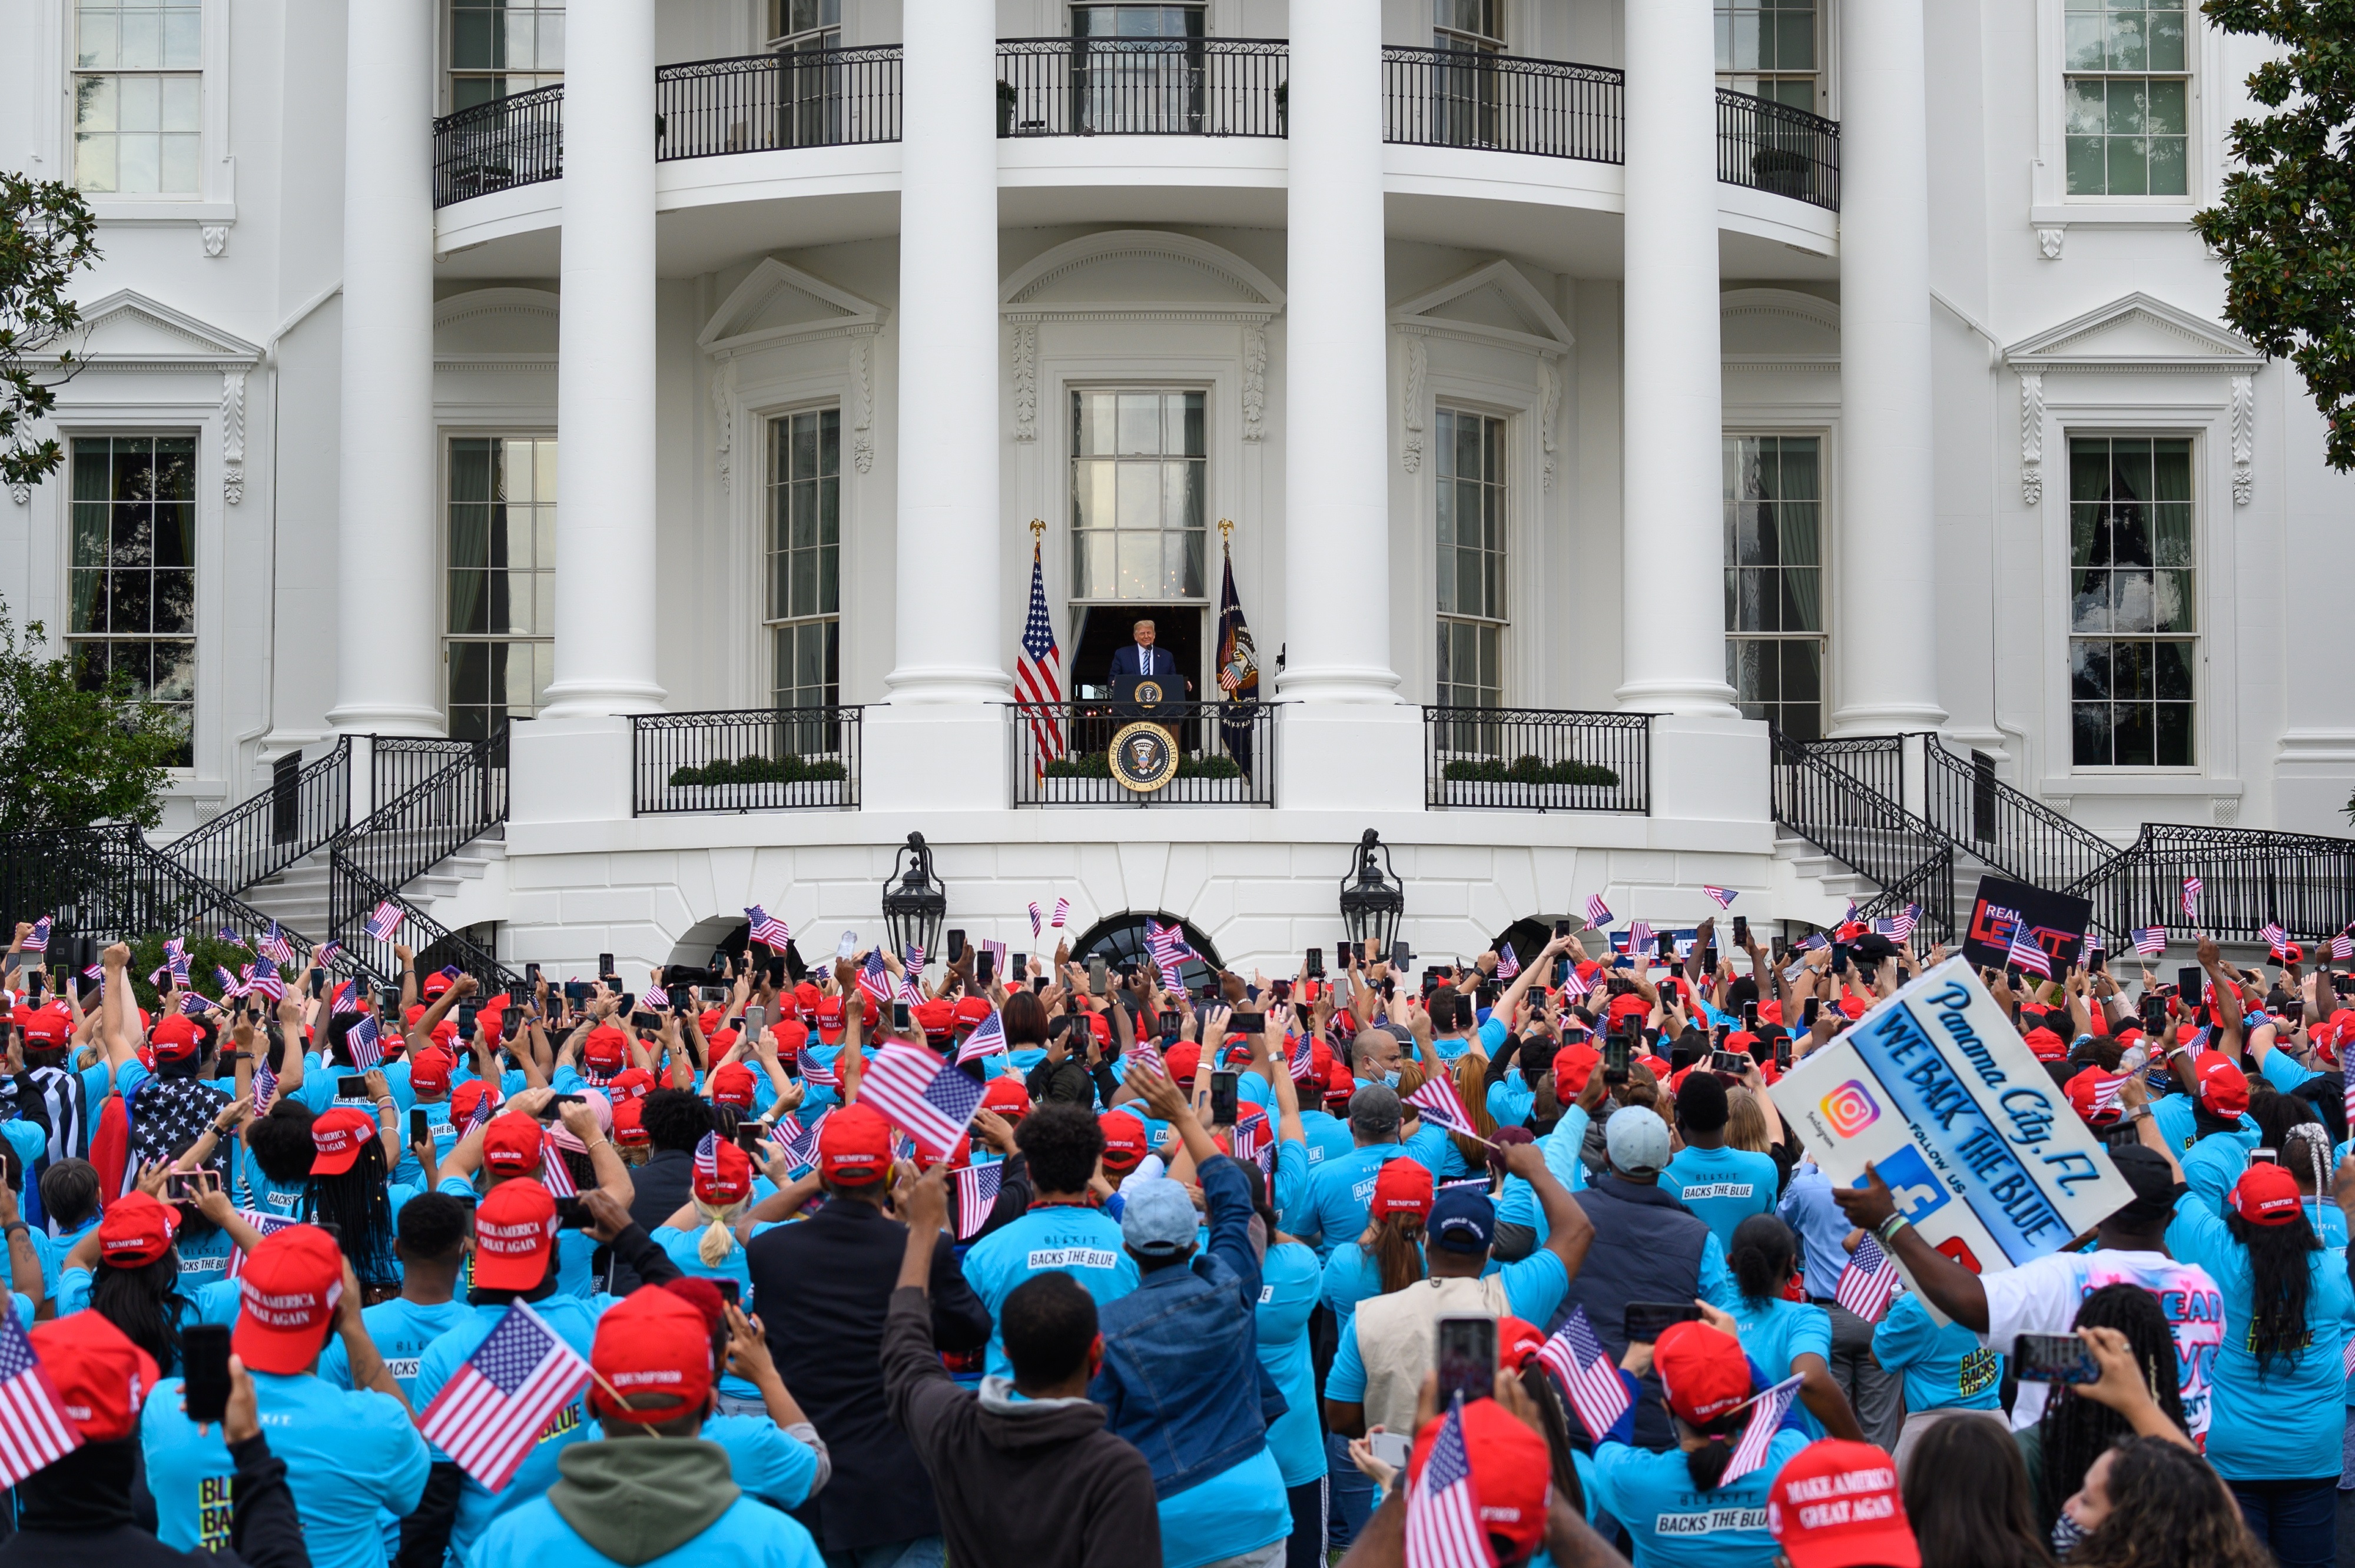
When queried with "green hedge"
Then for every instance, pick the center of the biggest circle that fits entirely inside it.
(760, 770)
(1531, 770)
(1098, 765)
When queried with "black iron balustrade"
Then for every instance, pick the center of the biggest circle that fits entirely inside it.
(1877, 762)
(1538, 759)
(753, 759)
(398, 763)
(517, 140)
(759, 104)
(109, 884)
(1062, 754)
(1505, 103)
(435, 798)
(1141, 87)
(306, 805)
(1770, 146)
(1832, 794)
(2012, 832)
(2249, 877)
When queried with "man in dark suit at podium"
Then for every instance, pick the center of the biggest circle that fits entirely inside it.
(1141, 659)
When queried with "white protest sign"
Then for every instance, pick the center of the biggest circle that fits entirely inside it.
(1981, 1149)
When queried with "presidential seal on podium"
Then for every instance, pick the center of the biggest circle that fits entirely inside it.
(1144, 758)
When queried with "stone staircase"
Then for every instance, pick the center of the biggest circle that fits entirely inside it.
(1813, 886)
(465, 889)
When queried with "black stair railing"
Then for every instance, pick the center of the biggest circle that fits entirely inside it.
(2249, 877)
(110, 885)
(306, 805)
(2011, 830)
(1827, 800)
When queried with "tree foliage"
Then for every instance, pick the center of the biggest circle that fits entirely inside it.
(2285, 225)
(70, 758)
(47, 234)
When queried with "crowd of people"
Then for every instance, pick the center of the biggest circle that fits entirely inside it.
(1506, 1261)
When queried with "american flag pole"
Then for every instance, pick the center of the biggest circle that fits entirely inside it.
(1037, 673)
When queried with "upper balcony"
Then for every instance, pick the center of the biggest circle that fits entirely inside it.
(1134, 115)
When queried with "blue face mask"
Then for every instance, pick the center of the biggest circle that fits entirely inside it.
(1390, 1079)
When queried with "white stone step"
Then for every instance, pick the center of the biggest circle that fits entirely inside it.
(470, 885)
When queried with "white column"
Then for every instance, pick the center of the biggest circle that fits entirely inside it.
(1671, 575)
(952, 540)
(388, 612)
(1883, 637)
(605, 366)
(1337, 603)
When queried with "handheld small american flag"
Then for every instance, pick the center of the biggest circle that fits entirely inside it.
(344, 999)
(229, 988)
(912, 964)
(997, 952)
(484, 1109)
(327, 954)
(1576, 1358)
(1598, 913)
(1438, 1100)
(1062, 913)
(2105, 1092)
(1442, 1511)
(2191, 898)
(766, 928)
(987, 1040)
(227, 935)
(799, 1142)
(1039, 674)
(2276, 937)
(977, 1190)
(875, 980)
(1766, 1412)
(2149, 939)
(824, 1074)
(1573, 984)
(36, 1432)
(384, 921)
(491, 1411)
(365, 1041)
(706, 1158)
(1899, 927)
(1508, 962)
(1849, 918)
(265, 1224)
(1725, 895)
(653, 999)
(1038, 919)
(1167, 943)
(2347, 1356)
(2342, 947)
(2028, 952)
(1639, 936)
(38, 940)
(98, 971)
(923, 1094)
(265, 980)
(1304, 1057)
(176, 953)
(1145, 1054)
(266, 1083)
(556, 1175)
(1255, 1141)
(1868, 1282)
(194, 1005)
(276, 948)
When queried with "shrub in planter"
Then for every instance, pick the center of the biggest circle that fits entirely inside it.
(1530, 771)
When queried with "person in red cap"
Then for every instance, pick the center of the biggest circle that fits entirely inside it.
(654, 1494)
(1126, 1144)
(1064, 1229)
(348, 1454)
(67, 1103)
(1837, 1505)
(707, 1241)
(1514, 1483)
(432, 1075)
(176, 1104)
(1389, 1254)
(78, 1512)
(349, 1189)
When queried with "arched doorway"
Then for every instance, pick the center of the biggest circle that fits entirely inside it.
(1119, 940)
(719, 935)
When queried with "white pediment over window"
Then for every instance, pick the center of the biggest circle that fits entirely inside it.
(1492, 303)
(779, 304)
(2135, 333)
(517, 328)
(127, 330)
(1140, 274)
(1766, 328)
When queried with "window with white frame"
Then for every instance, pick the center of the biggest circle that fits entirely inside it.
(1774, 642)
(798, 24)
(132, 596)
(500, 645)
(1470, 524)
(1767, 49)
(1139, 472)
(499, 47)
(138, 97)
(2134, 649)
(804, 559)
(1464, 96)
(2128, 87)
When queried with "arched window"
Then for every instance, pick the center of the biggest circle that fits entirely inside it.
(1119, 940)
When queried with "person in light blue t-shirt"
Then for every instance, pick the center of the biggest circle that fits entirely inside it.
(1063, 1232)
(1722, 1186)
(1784, 1336)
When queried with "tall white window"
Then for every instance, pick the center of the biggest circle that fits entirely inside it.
(1139, 467)
(1775, 580)
(1767, 48)
(498, 48)
(132, 600)
(805, 594)
(798, 24)
(501, 647)
(2133, 649)
(1471, 527)
(138, 96)
(2128, 91)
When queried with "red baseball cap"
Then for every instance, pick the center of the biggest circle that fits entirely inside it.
(1516, 1341)
(514, 1232)
(806, 997)
(513, 1144)
(445, 1034)
(721, 1040)
(732, 1085)
(723, 1172)
(286, 1300)
(2085, 1090)
(830, 1021)
(337, 1137)
(1008, 1097)
(792, 1035)
(1512, 1474)
(2224, 1088)
(176, 1039)
(654, 1342)
(937, 1015)
(1837, 1505)
(1572, 1065)
(429, 1071)
(433, 985)
(1852, 1006)
(102, 1378)
(136, 1229)
(854, 1146)
(2047, 1045)
(636, 1083)
(973, 1011)
(44, 1027)
(1182, 1061)
(1702, 1372)
(629, 1123)
(607, 1049)
(1623, 1006)
(1771, 1011)
(473, 1092)
(708, 1020)
(1124, 1137)
(1401, 1187)
(2266, 1195)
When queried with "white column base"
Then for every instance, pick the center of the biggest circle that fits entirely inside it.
(1349, 757)
(387, 718)
(1887, 718)
(933, 758)
(569, 769)
(1711, 769)
(1698, 699)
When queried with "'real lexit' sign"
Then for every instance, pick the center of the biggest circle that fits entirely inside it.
(1981, 1147)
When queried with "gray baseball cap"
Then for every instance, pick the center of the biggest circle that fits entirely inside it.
(1156, 1216)
(1374, 1110)
(1637, 1142)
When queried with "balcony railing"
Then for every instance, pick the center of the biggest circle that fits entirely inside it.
(2248, 878)
(755, 759)
(1141, 87)
(759, 104)
(1063, 754)
(1460, 98)
(513, 141)
(1538, 759)
(1770, 146)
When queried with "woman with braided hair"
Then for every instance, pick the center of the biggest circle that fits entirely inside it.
(2076, 1428)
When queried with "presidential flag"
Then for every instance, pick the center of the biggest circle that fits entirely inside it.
(365, 1041)
(923, 1094)
(1868, 1282)
(384, 921)
(985, 1041)
(1577, 1360)
(1443, 1511)
(1598, 913)
(1725, 895)
(1238, 668)
(1766, 1411)
(38, 941)
(490, 1414)
(276, 948)
(1039, 674)
(2191, 898)
(767, 929)
(1508, 962)
(2149, 939)
(1438, 1100)
(2028, 952)
(36, 1431)
(976, 1194)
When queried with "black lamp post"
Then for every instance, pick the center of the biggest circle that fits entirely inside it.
(1372, 898)
(913, 904)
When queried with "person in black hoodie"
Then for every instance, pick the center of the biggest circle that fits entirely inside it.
(1024, 1473)
(78, 1512)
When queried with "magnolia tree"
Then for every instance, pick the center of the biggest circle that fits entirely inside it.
(47, 234)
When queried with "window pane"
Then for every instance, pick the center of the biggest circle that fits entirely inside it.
(2090, 735)
(2173, 721)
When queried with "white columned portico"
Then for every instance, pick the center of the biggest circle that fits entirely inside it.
(1884, 637)
(947, 656)
(388, 614)
(1338, 680)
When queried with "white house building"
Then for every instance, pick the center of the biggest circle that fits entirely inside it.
(1810, 421)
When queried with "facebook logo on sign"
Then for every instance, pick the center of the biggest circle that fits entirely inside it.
(1918, 1191)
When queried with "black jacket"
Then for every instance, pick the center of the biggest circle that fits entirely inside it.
(664, 1184)
(821, 1286)
(78, 1513)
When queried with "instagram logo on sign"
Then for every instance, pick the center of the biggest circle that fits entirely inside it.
(1850, 1108)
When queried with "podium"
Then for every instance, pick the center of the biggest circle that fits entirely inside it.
(1145, 751)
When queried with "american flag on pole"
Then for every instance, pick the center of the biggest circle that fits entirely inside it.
(875, 980)
(2276, 937)
(1576, 1358)
(491, 1411)
(384, 921)
(276, 948)
(38, 941)
(1598, 913)
(327, 954)
(923, 1094)
(1868, 1282)
(912, 964)
(229, 988)
(2191, 898)
(1725, 895)
(976, 1192)
(1037, 674)
(1639, 936)
(1438, 1100)
(266, 1224)
(266, 980)
(1167, 943)
(1038, 919)
(1443, 1512)
(2149, 939)
(1508, 962)
(767, 929)
(34, 1430)
(1899, 927)
(1573, 984)
(1766, 1412)
(365, 1041)
(265, 1082)
(175, 957)
(2342, 947)
(987, 1040)
(232, 938)
(1062, 913)
(2028, 952)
